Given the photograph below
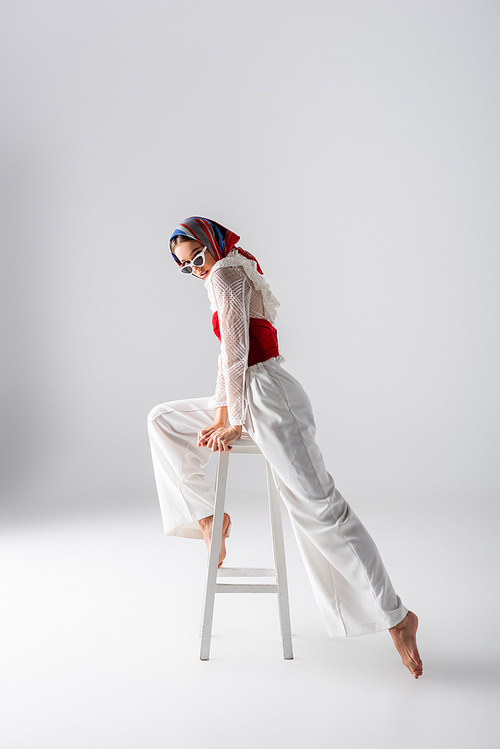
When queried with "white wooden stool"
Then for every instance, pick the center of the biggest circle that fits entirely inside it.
(213, 584)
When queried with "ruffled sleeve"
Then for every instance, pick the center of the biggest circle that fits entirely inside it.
(232, 298)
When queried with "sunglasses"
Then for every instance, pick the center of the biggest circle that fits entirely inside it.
(197, 262)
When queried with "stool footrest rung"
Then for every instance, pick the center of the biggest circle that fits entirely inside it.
(246, 588)
(246, 572)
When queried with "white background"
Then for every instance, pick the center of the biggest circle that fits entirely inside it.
(354, 148)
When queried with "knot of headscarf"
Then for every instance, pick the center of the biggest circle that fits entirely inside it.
(219, 240)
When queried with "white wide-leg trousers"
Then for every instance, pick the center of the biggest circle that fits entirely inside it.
(352, 588)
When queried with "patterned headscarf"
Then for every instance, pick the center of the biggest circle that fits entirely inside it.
(219, 240)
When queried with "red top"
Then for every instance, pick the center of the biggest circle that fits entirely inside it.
(263, 339)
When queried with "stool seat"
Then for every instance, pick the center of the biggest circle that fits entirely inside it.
(214, 583)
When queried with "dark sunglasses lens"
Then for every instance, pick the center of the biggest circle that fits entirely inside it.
(198, 260)
(186, 269)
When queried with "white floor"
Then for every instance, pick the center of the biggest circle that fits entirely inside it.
(100, 643)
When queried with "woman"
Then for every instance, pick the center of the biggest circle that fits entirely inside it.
(262, 400)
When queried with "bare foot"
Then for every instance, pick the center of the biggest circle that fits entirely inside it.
(404, 636)
(206, 528)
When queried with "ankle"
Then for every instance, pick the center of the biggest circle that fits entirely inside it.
(400, 625)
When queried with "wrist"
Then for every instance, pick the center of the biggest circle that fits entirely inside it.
(221, 416)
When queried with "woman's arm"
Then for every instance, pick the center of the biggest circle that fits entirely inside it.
(219, 399)
(221, 416)
(232, 298)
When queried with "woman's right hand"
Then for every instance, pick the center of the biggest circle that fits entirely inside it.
(204, 434)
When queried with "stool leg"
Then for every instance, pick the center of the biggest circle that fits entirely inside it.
(279, 563)
(213, 557)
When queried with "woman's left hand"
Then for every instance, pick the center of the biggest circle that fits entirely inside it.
(219, 439)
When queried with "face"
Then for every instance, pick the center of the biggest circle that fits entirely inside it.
(185, 251)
